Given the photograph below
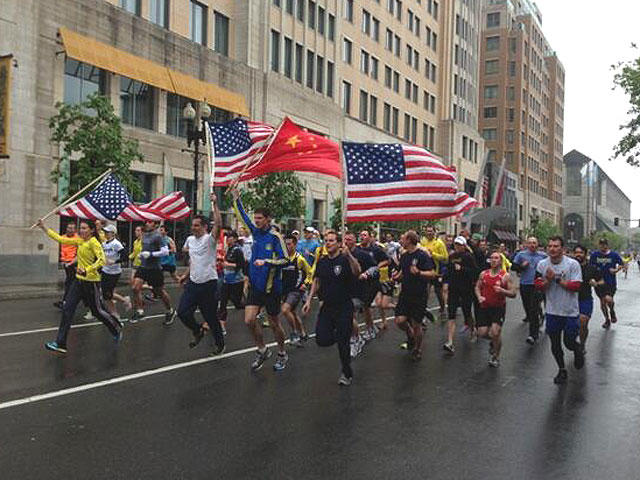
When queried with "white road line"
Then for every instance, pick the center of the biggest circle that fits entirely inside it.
(134, 376)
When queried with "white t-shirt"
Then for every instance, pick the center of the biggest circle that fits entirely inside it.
(112, 251)
(202, 258)
(561, 301)
(247, 245)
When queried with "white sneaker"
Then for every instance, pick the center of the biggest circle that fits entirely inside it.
(89, 316)
(344, 380)
(353, 348)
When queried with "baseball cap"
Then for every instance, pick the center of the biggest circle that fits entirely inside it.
(295, 232)
(309, 229)
(460, 241)
(111, 228)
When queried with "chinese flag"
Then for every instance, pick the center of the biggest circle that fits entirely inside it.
(295, 149)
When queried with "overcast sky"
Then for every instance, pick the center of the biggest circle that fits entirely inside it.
(589, 36)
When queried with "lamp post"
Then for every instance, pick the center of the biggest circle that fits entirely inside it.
(196, 135)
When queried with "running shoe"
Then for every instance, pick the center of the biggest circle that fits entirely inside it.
(449, 348)
(224, 330)
(169, 317)
(118, 336)
(494, 362)
(89, 316)
(423, 324)
(294, 339)
(530, 340)
(54, 347)
(150, 298)
(366, 335)
(281, 362)
(416, 355)
(361, 344)
(218, 350)
(260, 358)
(561, 377)
(430, 316)
(127, 303)
(344, 380)
(137, 316)
(304, 338)
(197, 337)
(614, 318)
(58, 304)
(606, 324)
(465, 328)
(578, 358)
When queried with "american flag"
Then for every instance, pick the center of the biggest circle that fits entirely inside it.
(110, 201)
(391, 181)
(233, 144)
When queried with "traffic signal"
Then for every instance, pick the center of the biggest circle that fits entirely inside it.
(616, 222)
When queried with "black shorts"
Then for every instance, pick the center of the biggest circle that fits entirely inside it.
(365, 294)
(604, 290)
(169, 268)
(154, 277)
(270, 301)
(411, 307)
(108, 284)
(293, 298)
(386, 288)
(490, 315)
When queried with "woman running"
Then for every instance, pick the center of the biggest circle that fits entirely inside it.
(86, 286)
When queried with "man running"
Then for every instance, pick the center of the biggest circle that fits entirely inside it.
(233, 278)
(493, 287)
(560, 277)
(296, 276)
(609, 263)
(416, 269)
(115, 255)
(267, 256)
(461, 273)
(440, 255)
(68, 254)
(201, 280)
(591, 277)
(150, 272)
(374, 279)
(334, 275)
(525, 263)
(308, 245)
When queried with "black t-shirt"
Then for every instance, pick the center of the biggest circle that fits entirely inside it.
(336, 279)
(462, 271)
(482, 259)
(375, 252)
(588, 272)
(415, 285)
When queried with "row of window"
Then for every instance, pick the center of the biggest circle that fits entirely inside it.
(469, 149)
(316, 16)
(464, 29)
(198, 27)
(394, 7)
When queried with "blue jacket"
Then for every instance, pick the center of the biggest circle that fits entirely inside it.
(268, 245)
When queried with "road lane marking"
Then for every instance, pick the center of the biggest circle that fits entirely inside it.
(134, 376)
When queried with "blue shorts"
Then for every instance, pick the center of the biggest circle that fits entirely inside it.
(586, 307)
(558, 323)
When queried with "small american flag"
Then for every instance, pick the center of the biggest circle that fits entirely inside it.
(391, 181)
(110, 201)
(233, 144)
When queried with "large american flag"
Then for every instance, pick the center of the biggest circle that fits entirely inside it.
(110, 201)
(391, 181)
(233, 144)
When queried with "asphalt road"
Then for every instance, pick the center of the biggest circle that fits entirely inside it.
(152, 408)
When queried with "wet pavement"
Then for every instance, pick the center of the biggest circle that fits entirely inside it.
(153, 408)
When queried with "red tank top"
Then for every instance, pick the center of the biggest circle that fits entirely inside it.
(492, 298)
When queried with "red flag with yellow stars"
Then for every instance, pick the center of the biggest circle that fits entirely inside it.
(296, 149)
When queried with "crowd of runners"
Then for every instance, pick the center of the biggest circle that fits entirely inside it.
(272, 276)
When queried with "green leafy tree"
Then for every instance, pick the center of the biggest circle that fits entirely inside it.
(280, 192)
(91, 134)
(543, 229)
(627, 78)
(616, 242)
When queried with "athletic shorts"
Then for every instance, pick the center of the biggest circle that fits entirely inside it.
(154, 277)
(386, 288)
(557, 323)
(366, 293)
(412, 308)
(293, 298)
(270, 301)
(487, 316)
(437, 282)
(586, 307)
(604, 290)
(168, 268)
(108, 284)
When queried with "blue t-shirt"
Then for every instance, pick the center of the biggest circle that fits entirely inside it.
(308, 248)
(171, 258)
(605, 261)
(527, 275)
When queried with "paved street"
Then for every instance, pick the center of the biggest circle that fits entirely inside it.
(165, 411)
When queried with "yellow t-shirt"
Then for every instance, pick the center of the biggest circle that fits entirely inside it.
(438, 250)
(135, 253)
(90, 255)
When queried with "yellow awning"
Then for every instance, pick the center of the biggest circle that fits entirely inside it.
(99, 54)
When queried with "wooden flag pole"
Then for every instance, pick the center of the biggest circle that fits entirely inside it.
(72, 198)
(343, 201)
(211, 157)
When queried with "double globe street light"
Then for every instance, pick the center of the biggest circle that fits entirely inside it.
(196, 135)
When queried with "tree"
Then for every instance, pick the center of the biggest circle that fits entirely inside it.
(543, 230)
(616, 242)
(91, 134)
(280, 192)
(627, 78)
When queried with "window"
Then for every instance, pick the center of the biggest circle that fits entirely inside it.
(346, 97)
(366, 22)
(276, 3)
(410, 18)
(416, 60)
(493, 20)
(375, 31)
(374, 68)
(136, 103)
(491, 67)
(364, 62)
(491, 112)
(176, 124)
(512, 69)
(300, 10)
(146, 181)
(425, 134)
(509, 136)
(332, 28)
(407, 89)
(435, 15)
(346, 51)
(364, 105)
(388, 40)
(464, 146)
(221, 44)
(373, 111)
(414, 93)
(414, 130)
(490, 134)
(198, 23)
(289, 7)
(299, 62)
(407, 127)
(396, 45)
(432, 138)
(288, 57)
(432, 104)
(330, 79)
(511, 93)
(387, 76)
(310, 67)
(409, 55)
(399, 10)
(275, 51)
(131, 6)
(81, 80)
(348, 10)
(311, 14)
(386, 117)
(396, 82)
(491, 91)
(434, 41)
(511, 114)
(321, 16)
(493, 43)
(319, 74)
(395, 118)
(159, 12)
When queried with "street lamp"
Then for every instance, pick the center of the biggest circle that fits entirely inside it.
(196, 135)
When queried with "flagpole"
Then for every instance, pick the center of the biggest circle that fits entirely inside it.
(343, 193)
(211, 156)
(72, 198)
(498, 182)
